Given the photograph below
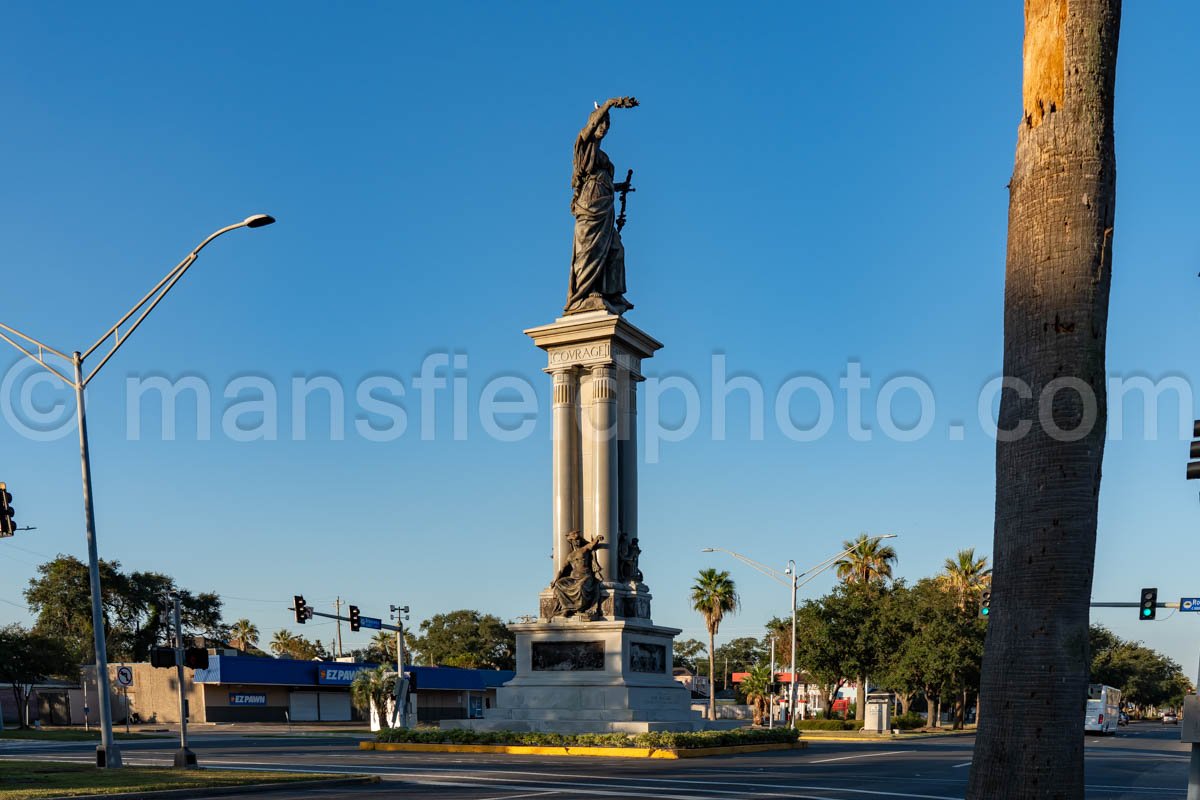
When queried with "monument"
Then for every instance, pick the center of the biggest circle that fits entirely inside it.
(594, 661)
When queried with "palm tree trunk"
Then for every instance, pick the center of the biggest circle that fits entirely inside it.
(1060, 225)
(712, 682)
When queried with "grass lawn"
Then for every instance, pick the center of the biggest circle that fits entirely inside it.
(66, 735)
(20, 780)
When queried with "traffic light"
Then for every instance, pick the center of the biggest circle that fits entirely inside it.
(1149, 603)
(8, 525)
(1193, 467)
(162, 657)
(985, 603)
(196, 658)
(355, 622)
(301, 608)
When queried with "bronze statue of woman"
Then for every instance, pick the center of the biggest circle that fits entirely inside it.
(577, 586)
(598, 262)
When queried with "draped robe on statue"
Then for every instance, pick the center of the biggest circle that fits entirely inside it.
(598, 261)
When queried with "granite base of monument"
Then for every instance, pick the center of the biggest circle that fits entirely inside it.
(590, 676)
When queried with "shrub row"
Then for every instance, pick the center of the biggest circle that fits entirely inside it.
(655, 739)
(909, 721)
(828, 725)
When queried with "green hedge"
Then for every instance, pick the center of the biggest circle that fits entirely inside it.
(828, 725)
(656, 739)
(909, 721)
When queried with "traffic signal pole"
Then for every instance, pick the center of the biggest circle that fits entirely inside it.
(398, 628)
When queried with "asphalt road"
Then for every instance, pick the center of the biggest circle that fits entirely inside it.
(1143, 762)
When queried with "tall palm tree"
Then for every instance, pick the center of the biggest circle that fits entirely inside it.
(868, 561)
(243, 634)
(965, 575)
(1053, 413)
(714, 595)
(283, 643)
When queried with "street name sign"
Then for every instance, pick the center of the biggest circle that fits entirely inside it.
(1189, 604)
(376, 624)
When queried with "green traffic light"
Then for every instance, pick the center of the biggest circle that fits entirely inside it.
(984, 611)
(1145, 612)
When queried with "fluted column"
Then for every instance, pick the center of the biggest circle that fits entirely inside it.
(605, 488)
(628, 455)
(566, 461)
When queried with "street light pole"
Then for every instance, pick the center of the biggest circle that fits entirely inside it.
(107, 752)
(791, 570)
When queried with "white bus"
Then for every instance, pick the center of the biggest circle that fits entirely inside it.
(1103, 709)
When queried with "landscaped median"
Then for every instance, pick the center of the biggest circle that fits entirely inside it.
(659, 744)
(27, 780)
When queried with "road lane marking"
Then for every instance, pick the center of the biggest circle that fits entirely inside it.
(960, 766)
(861, 755)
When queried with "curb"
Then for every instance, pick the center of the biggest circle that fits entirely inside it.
(577, 751)
(222, 791)
(809, 735)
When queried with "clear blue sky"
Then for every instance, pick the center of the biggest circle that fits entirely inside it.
(815, 187)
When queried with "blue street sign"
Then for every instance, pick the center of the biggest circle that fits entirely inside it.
(1189, 604)
(374, 623)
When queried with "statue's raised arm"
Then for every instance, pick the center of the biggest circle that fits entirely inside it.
(601, 112)
(598, 261)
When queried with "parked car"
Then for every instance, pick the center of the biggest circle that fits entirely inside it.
(1169, 718)
(1123, 719)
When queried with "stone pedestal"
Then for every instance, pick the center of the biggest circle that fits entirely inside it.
(603, 667)
(605, 676)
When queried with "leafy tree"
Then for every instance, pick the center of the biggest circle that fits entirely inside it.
(714, 595)
(1062, 200)
(818, 651)
(937, 646)
(466, 638)
(1144, 676)
(739, 655)
(28, 657)
(371, 688)
(685, 653)
(779, 631)
(132, 603)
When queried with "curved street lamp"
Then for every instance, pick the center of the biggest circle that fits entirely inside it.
(107, 753)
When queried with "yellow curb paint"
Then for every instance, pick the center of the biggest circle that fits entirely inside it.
(601, 752)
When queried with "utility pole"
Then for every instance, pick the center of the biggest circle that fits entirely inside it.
(337, 604)
(184, 758)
